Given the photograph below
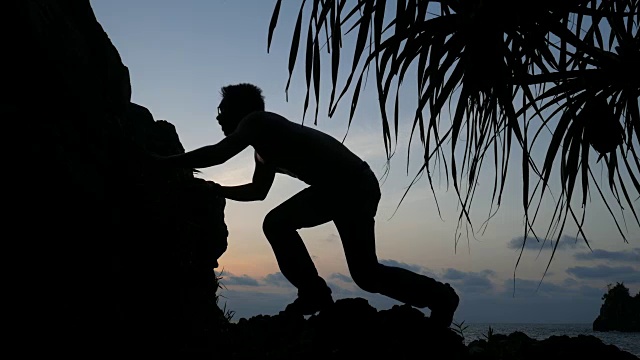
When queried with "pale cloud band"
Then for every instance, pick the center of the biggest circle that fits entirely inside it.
(631, 256)
(627, 274)
(566, 242)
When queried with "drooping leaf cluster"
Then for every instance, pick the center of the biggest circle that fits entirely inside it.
(566, 73)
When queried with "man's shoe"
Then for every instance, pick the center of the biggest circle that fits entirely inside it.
(442, 313)
(309, 305)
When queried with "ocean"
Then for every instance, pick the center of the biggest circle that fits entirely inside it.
(629, 342)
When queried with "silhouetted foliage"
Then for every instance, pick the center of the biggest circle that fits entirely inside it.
(620, 311)
(516, 72)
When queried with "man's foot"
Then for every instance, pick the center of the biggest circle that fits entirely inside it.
(442, 312)
(309, 305)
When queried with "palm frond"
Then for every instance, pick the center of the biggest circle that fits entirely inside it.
(521, 72)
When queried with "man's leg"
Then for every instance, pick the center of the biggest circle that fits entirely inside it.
(306, 209)
(358, 238)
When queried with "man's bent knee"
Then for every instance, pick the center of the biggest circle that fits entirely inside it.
(273, 224)
(367, 280)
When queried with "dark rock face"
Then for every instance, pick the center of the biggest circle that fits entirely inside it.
(106, 253)
(619, 312)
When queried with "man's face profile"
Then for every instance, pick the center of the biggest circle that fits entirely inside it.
(225, 119)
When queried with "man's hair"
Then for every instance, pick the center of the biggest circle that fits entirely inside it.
(246, 96)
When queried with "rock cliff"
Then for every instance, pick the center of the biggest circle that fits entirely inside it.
(105, 253)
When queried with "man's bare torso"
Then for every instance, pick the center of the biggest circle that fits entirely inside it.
(308, 154)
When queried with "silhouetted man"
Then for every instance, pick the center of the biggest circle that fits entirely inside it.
(342, 188)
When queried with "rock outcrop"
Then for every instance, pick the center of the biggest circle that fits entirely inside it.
(107, 255)
(619, 312)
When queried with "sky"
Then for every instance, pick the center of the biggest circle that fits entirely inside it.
(179, 55)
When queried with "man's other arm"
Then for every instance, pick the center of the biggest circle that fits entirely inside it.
(256, 190)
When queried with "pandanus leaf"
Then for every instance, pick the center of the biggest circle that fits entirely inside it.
(602, 128)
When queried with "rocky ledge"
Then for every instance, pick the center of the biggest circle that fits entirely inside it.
(352, 329)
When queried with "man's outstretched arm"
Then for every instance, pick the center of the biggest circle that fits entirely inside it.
(256, 190)
(209, 155)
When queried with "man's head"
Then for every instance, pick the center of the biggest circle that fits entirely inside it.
(237, 102)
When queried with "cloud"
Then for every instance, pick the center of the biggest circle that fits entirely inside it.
(248, 303)
(568, 282)
(341, 277)
(339, 292)
(527, 287)
(603, 272)
(581, 289)
(590, 291)
(389, 262)
(630, 256)
(453, 274)
(566, 242)
(331, 238)
(244, 280)
(527, 308)
(469, 282)
(277, 279)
